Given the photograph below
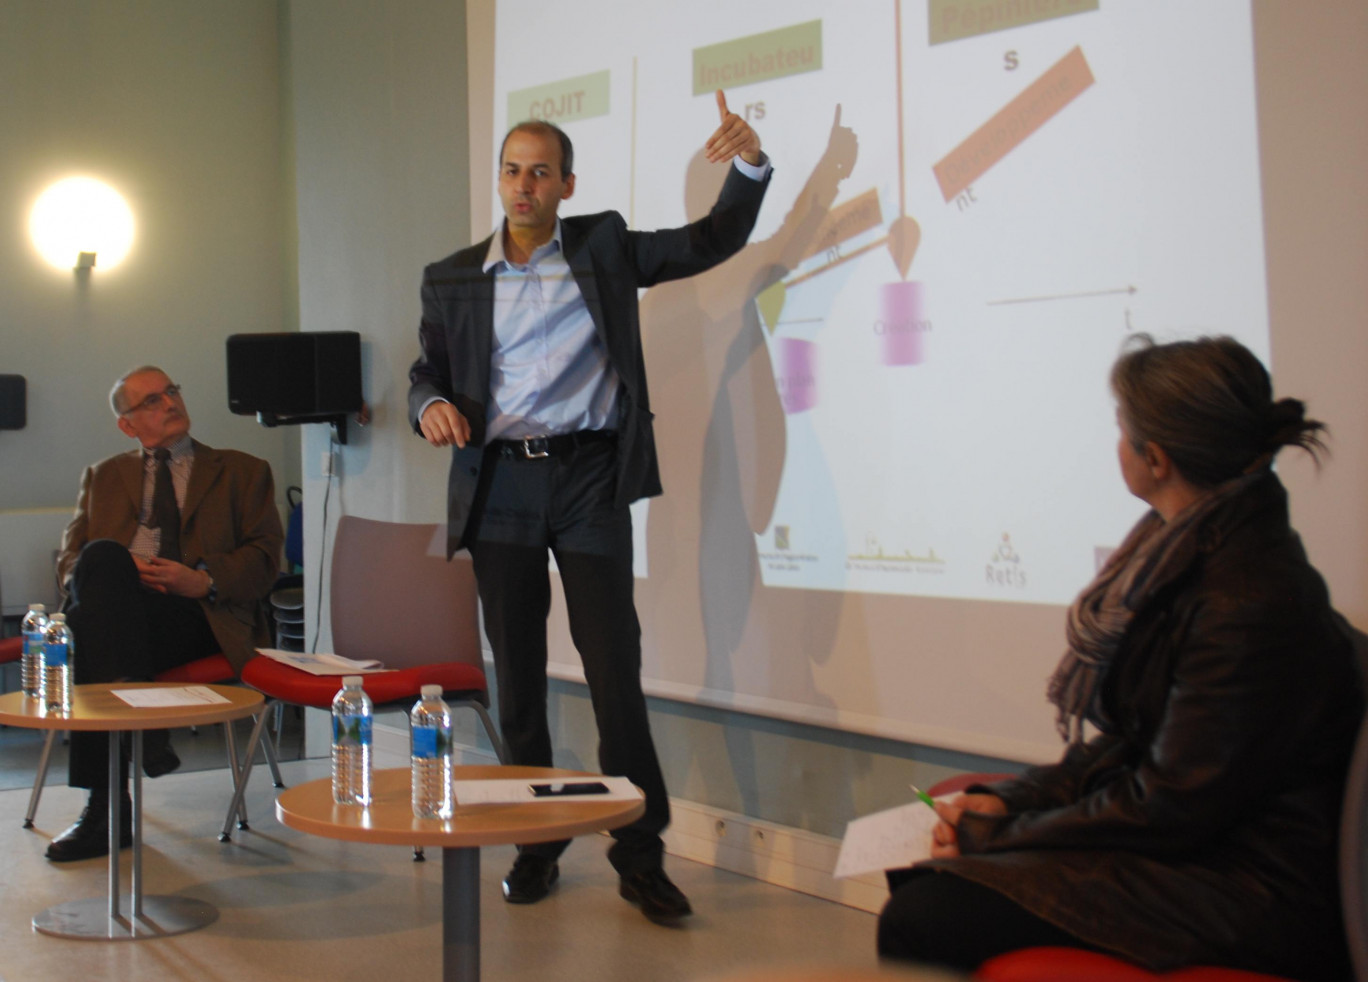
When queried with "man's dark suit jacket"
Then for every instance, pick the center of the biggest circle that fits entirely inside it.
(229, 522)
(610, 263)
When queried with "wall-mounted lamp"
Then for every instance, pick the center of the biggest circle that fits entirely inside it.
(78, 219)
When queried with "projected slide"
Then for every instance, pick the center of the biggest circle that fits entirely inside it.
(900, 386)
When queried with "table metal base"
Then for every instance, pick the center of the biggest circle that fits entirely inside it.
(461, 914)
(90, 919)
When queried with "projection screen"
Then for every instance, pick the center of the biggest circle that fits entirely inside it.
(886, 438)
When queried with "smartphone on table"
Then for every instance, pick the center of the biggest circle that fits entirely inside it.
(568, 789)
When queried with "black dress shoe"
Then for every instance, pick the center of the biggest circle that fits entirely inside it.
(530, 879)
(89, 836)
(660, 900)
(158, 755)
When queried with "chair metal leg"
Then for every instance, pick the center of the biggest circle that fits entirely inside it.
(491, 732)
(230, 741)
(279, 723)
(245, 773)
(272, 748)
(40, 778)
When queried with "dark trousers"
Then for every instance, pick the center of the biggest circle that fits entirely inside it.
(565, 503)
(123, 631)
(937, 918)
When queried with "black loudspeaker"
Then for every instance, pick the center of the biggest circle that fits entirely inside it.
(13, 402)
(290, 377)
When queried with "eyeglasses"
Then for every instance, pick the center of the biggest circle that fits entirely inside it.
(169, 394)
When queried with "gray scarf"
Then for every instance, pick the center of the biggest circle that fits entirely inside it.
(1152, 556)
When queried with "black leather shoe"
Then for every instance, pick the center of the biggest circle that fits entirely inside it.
(660, 900)
(158, 755)
(89, 836)
(530, 879)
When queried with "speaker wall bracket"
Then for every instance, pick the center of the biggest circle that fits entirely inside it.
(338, 421)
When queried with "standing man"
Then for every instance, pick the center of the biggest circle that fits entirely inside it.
(531, 368)
(171, 551)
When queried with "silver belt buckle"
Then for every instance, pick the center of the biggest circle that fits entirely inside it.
(529, 441)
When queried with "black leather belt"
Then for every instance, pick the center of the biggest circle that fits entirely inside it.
(537, 447)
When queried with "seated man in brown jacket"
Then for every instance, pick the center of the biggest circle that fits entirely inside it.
(171, 550)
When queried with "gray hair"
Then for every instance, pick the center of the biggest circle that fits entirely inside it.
(116, 394)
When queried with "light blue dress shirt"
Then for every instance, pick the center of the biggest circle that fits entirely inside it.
(549, 371)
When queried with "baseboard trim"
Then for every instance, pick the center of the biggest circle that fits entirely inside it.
(778, 854)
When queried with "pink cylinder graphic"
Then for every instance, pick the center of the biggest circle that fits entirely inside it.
(797, 374)
(902, 325)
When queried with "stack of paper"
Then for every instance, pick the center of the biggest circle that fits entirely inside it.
(161, 697)
(892, 839)
(323, 663)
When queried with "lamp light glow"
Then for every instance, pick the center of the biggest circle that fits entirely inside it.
(81, 215)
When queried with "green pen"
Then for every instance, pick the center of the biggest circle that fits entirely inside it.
(930, 801)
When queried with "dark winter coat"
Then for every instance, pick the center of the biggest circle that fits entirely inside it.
(1204, 828)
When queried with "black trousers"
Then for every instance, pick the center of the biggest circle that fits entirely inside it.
(123, 631)
(564, 503)
(937, 918)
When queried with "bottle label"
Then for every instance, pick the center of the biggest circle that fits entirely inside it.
(352, 731)
(425, 740)
(55, 654)
(33, 643)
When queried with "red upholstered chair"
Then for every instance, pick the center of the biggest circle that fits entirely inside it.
(394, 598)
(208, 670)
(11, 649)
(1073, 965)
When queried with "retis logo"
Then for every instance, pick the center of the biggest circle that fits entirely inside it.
(1005, 568)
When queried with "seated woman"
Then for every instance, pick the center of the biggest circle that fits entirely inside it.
(1199, 824)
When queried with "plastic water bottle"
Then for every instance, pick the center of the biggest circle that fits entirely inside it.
(58, 650)
(430, 739)
(31, 671)
(351, 752)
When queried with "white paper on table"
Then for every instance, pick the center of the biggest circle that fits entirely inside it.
(891, 839)
(176, 695)
(324, 662)
(516, 791)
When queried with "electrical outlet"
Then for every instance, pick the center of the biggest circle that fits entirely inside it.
(326, 466)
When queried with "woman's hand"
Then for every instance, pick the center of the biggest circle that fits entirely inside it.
(944, 841)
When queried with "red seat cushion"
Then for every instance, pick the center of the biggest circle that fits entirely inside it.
(11, 649)
(201, 671)
(280, 681)
(1073, 965)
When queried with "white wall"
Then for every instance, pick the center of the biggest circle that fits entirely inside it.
(177, 105)
(1313, 147)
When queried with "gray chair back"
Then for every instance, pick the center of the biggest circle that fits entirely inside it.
(396, 598)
